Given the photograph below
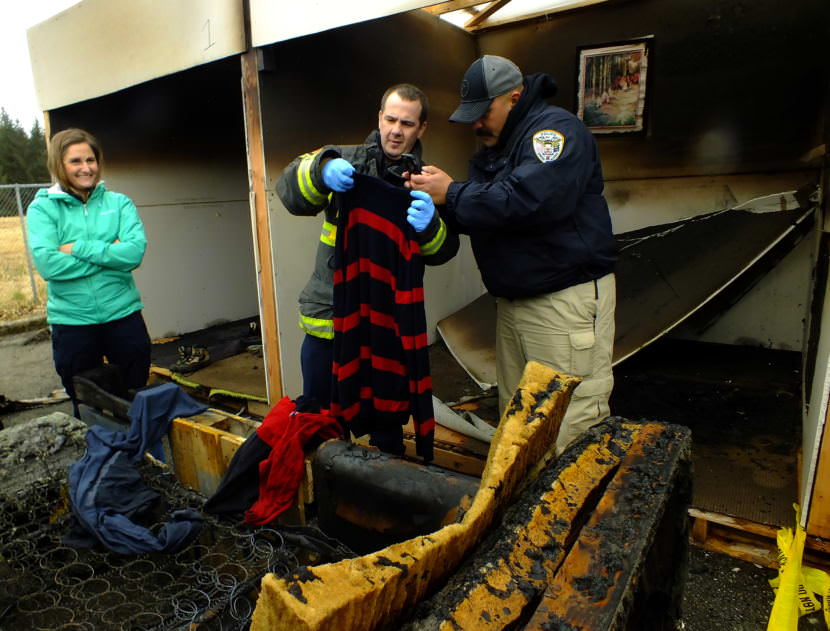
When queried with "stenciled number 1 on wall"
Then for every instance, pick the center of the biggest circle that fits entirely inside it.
(611, 89)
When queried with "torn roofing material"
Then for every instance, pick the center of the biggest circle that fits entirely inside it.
(700, 265)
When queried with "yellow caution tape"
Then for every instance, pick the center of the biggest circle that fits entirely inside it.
(807, 603)
(826, 596)
(816, 581)
(795, 584)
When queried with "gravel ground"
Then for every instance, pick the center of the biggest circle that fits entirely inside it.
(721, 593)
(28, 373)
(725, 594)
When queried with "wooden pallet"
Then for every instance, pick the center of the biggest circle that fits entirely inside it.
(749, 541)
(203, 446)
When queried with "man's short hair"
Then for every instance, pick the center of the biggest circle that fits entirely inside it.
(408, 92)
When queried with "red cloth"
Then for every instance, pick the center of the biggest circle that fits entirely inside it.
(286, 431)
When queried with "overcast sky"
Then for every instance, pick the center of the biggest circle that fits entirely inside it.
(17, 88)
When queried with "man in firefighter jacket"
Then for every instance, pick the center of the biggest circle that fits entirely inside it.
(305, 188)
(540, 229)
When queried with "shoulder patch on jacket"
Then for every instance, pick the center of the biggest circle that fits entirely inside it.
(548, 144)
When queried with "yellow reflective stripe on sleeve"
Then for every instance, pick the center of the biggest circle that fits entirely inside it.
(329, 233)
(436, 242)
(318, 327)
(307, 188)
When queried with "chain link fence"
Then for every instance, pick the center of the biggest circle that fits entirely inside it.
(15, 198)
(16, 260)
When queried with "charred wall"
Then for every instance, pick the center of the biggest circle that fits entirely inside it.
(736, 104)
(194, 114)
(734, 86)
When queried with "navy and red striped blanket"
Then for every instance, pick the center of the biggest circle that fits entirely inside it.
(381, 363)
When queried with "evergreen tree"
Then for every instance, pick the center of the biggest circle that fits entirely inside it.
(22, 155)
(36, 158)
(13, 142)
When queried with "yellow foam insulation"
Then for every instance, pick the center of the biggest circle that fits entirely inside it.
(371, 591)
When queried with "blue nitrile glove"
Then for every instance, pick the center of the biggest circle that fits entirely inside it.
(337, 175)
(420, 211)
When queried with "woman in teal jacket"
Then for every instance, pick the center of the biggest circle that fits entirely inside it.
(85, 242)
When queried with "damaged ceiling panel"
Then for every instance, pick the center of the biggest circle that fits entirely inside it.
(474, 15)
(701, 265)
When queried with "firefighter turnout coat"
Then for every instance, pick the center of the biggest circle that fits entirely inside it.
(302, 192)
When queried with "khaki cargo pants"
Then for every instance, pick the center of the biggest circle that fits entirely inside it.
(572, 331)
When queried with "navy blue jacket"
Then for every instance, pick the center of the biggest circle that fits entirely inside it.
(533, 205)
(106, 491)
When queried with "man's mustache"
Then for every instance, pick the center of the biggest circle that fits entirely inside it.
(486, 133)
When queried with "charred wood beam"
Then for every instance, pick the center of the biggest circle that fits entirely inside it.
(453, 5)
(8, 406)
(508, 573)
(102, 388)
(627, 569)
(478, 18)
(622, 493)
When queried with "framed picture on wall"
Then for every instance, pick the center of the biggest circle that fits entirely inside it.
(611, 86)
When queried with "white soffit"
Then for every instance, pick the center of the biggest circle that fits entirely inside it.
(278, 21)
(98, 47)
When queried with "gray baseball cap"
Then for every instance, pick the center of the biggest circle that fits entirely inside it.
(488, 77)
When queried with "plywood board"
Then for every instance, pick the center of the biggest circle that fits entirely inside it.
(767, 486)
(743, 406)
(201, 452)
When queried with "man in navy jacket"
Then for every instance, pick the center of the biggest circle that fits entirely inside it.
(540, 228)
